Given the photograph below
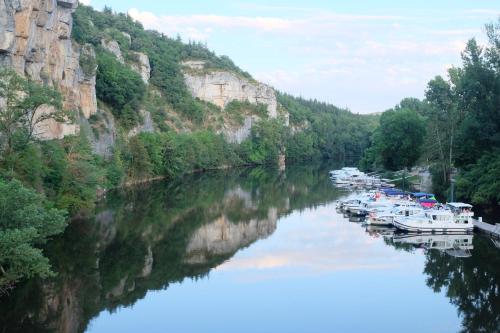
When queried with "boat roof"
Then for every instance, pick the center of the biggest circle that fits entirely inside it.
(422, 194)
(439, 212)
(427, 200)
(459, 205)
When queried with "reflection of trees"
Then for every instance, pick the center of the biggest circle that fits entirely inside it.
(472, 284)
(138, 241)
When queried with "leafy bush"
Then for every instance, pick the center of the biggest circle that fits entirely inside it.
(480, 182)
(25, 221)
(120, 87)
(265, 144)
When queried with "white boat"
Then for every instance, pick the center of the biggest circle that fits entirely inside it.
(354, 202)
(433, 220)
(352, 177)
(374, 207)
(462, 211)
(401, 209)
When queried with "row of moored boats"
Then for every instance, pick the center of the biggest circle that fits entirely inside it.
(407, 211)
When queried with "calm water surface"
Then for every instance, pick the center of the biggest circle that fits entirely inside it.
(252, 251)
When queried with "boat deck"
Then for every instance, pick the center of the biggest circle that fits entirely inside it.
(491, 229)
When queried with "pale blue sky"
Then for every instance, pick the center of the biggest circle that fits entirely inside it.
(364, 55)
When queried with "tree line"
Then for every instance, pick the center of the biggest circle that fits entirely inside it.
(455, 129)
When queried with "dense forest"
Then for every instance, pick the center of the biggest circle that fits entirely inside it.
(455, 129)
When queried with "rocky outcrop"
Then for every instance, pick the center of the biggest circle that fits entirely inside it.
(239, 134)
(113, 47)
(221, 87)
(101, 131)
(147, 125)
(35, 42)
(142, 66)
(51, 129)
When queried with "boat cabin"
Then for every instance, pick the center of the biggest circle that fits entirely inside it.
(462, 211)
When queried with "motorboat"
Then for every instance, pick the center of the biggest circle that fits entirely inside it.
(401, 209)
(352, 177)
(433, 220)
(462, 211)
(373, 206)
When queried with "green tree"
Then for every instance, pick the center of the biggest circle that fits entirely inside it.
(399, 138)
(25, 222)
(20, 110)
(120, 87)
(139, 164)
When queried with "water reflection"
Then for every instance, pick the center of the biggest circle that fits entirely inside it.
(453, 245)
(465, 266)
(148, 238)
(155, 237)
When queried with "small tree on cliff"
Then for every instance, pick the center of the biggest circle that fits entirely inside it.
(20, 112)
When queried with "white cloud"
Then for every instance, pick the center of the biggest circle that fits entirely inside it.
(366, 62)
(199, 27)
(85, 2)
(484, 11)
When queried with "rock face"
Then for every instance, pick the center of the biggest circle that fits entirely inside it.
(239, 134)
(147, 125)
(142, 66)
(113, 47)
(221, 87)
(35, 41)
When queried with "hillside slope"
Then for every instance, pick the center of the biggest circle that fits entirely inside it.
(145, 105)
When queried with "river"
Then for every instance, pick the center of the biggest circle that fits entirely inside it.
(251, 250)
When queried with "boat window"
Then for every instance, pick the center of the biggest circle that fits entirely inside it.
(434, 217)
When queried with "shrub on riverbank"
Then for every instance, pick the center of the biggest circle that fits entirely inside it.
(26, 220)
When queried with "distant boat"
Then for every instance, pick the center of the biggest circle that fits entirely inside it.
(400, 210)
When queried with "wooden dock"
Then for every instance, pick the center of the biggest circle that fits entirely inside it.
(490, 229)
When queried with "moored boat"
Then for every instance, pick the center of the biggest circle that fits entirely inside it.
(433, 220)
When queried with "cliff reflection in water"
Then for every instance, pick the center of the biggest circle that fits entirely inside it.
(147, 238)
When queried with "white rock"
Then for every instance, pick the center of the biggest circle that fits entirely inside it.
(113, 47)
(142, 66)
(221, 87)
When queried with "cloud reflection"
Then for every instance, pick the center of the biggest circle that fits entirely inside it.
(316, 242)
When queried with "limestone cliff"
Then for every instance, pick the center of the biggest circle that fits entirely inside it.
(35, 40)
(220, 87)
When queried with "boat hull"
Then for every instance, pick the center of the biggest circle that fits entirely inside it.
(417, 227)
